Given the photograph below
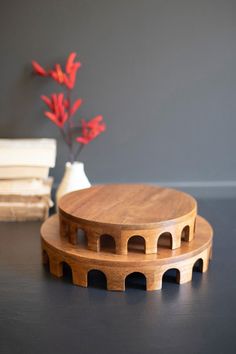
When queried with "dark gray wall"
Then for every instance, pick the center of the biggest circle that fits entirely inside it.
(162, 73)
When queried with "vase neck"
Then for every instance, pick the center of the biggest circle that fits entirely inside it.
(75, 165)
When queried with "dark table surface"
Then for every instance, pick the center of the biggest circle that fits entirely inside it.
(43, 314)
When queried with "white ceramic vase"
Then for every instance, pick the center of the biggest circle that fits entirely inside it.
(74, 179)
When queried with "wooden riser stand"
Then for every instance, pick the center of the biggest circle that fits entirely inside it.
(127, 229)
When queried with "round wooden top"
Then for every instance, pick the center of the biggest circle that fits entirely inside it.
(127, 204)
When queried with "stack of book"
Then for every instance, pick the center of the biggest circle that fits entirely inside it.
(25, 185)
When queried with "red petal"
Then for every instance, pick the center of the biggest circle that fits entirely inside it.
(66, 81)
(60, 101)
(71, 77)
(64, 117)
(76, 66)
(76, 106)
(82, 140)
(94, 123)
(54, 75)
(53, 118)
(55, 104)
(47, 101)
(63, 114)
(70, 62)
(39, 69)
(50, 115)
(70, 82)
(59, 73)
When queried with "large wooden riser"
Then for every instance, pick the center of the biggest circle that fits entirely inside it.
(116, 277)
(57, 250)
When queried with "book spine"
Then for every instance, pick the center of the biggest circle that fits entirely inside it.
(16, 213)
(26, 199)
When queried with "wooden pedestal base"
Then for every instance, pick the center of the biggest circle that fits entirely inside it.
(56, 250)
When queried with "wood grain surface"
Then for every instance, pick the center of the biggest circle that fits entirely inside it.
(127, 204)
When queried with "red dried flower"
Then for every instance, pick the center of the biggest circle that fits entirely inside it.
(91, 129)
(67, 78)
(57, 104)
(62, 109)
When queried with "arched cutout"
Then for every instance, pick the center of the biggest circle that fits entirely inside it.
(165, 240)
(97, 279)
(198, 266)
(185, 233)
(81, 238)
(67, 272)
(171, 276)
(135, 280)
(107, 243)
(136, 244)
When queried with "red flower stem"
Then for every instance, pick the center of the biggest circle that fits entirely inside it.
(69, 127)
(64, 136)
(77, 153)
(69, 111)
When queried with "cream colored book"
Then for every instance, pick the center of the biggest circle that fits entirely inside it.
(13, 172)
(27, 152)
(14, 198)
(26, 187)
(23, 211)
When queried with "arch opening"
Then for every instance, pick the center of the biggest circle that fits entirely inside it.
(171, 276)
(165, 240)
(97, 279)
(66, 272)
(185, 233)
(107, 243)
(81, 238)
(198, 265)
(135, 280)
(136, 244)
(46, 260)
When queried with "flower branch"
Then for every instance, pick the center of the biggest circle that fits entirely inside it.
(61, 110)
